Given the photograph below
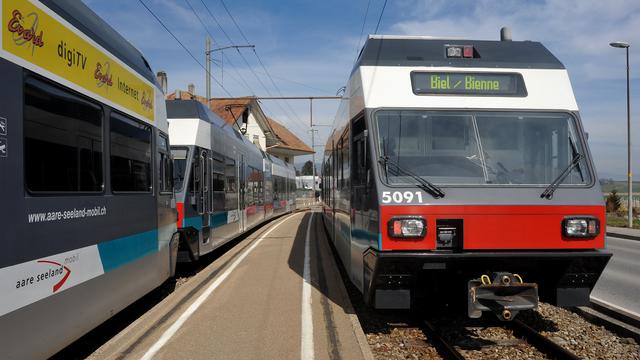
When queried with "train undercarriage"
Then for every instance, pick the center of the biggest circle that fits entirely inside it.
(503, 283)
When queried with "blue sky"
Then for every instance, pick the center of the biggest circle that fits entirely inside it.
(314, 43)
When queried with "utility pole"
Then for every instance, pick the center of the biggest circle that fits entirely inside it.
(207, 53)
(208, 50)
(313, 144)
(310, 98)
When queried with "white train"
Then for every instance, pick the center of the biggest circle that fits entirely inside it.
(225, 185)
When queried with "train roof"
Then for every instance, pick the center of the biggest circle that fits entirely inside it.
(193, 109)
(386, 50)
(84, 19)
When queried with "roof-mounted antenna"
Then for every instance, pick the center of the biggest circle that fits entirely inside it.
(505, 34)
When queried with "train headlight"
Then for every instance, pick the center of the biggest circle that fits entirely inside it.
(407, 227)
(581, 227)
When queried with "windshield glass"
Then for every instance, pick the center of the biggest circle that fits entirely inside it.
(179, 167)
(517, 148)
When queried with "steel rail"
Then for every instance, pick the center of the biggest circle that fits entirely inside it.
(446, 350)
(541, 342)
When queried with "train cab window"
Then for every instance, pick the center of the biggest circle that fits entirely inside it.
(481, 147)
(62, 140)
(359, 154)
(130, 155)
(165, 172)
(179, 167)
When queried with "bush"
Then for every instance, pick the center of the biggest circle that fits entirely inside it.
(613, 202)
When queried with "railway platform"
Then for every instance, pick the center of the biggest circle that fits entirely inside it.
(277, 294)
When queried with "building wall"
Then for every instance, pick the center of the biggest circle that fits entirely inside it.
(286, 157)
(253, 129)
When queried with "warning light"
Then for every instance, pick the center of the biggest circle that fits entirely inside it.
(459, 51)
(467, 51)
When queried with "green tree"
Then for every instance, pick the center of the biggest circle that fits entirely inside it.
(307, 168)
(613, 201)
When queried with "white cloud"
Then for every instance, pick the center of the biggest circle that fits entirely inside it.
(577, 31)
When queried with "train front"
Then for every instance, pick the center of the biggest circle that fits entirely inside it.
(486, 189)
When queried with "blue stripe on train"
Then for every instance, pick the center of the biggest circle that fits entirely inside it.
(215, 220)
(194, 222)
(218, 219)
(118, 252)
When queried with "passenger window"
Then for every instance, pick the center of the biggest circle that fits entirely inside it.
(63, 140)
(130, 155)
(231, 186)
(218, 175)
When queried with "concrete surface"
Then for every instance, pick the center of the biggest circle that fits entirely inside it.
(248, 305)
(619, 285)
(625, 233)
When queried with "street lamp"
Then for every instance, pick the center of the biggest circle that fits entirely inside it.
(624, 45)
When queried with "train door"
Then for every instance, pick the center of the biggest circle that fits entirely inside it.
(334, 187)
(202, 176)
(166, 197)
(359, 175)
(242, 185)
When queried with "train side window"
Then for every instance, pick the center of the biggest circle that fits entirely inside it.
(165, 168)
(359, 154)
(130, 155)
(218, 175)
(345, 161)
(231, 186)
(339, 165)
(62, 140)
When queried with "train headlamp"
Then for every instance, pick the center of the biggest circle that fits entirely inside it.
(581, 227)
(407, 227)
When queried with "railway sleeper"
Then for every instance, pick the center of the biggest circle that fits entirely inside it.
(505, 294)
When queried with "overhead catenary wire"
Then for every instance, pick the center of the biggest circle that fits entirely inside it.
(364, 21)
(234, 20)
(184, 47)
(248, 87)
(243, 82)
(298, 83)
(231, 42)
(224, 5)
(380, 18)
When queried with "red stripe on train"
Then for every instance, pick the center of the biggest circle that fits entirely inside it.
(497, 227)
(180, 207)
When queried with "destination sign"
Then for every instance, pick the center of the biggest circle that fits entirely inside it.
(452, 83)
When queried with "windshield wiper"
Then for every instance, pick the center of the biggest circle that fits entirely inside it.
(548, 192)
(423, 184)
(574, 151)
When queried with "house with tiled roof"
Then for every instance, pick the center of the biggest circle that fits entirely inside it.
(247, 114)
(288, 144)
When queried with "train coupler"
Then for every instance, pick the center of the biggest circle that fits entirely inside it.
(505, 295)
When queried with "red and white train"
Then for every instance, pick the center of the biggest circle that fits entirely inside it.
(459, 169)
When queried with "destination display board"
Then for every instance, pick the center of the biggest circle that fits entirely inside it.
(33, 37)
(464, 83)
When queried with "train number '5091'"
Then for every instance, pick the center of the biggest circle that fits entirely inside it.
(399, 197)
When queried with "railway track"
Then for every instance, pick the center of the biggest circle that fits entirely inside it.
(523, 336)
